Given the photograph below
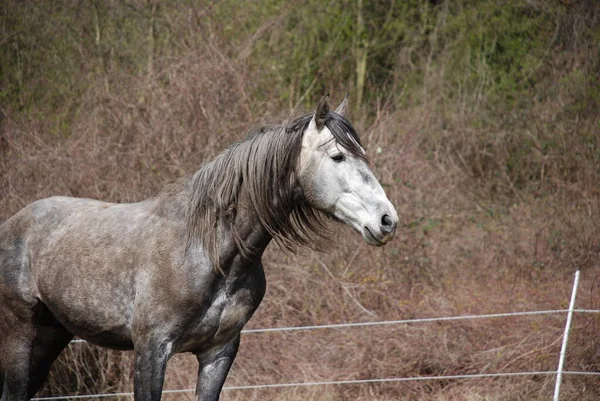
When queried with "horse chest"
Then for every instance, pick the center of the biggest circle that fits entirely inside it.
(224, 319)
(235, 312)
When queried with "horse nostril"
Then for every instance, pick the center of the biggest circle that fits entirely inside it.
(386, 221)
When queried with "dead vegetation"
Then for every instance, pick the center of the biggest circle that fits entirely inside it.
(498, 197)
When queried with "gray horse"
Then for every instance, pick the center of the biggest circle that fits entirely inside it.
(180, 272)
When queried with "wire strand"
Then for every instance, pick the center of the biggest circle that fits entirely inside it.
(335, 382)
(405, 321)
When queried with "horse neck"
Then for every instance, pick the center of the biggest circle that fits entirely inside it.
(246, 218)
(248, 229)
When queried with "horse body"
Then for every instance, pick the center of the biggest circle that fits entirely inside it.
(155, 284)
(153, 280)
(153, 276)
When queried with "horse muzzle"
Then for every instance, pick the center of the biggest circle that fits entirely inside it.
(383, 231)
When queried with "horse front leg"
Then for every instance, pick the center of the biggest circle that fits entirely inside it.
(150, 364)
(214, 366)
(17, 334)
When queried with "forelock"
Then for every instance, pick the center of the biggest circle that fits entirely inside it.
(341, 129)
(345, 134)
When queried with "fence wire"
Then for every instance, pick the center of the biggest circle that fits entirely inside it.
(404, 321)
(336, 382)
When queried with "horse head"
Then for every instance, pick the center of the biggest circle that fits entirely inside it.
(335, 177)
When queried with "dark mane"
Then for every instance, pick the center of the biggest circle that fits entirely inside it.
(264, 167)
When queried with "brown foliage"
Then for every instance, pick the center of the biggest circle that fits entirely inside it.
(479, 234)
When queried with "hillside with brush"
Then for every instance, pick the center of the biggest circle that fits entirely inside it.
(481, 119)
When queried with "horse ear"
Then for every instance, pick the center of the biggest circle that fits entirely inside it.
(341, 109)
(321, 114)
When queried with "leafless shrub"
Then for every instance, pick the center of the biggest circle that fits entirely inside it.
(478, 234)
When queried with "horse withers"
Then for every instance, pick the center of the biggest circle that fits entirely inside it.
(179, 272)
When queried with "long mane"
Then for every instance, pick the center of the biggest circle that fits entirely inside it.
(264, 167)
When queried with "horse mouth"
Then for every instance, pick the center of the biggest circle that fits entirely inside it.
(372, 237)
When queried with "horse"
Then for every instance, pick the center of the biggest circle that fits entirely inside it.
(181, 271)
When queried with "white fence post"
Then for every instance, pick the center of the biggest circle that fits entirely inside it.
(563, 348)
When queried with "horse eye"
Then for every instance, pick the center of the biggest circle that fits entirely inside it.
(338, 158)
